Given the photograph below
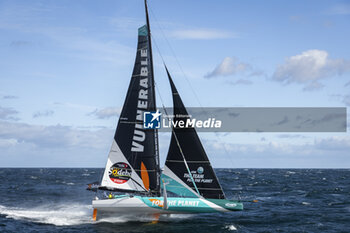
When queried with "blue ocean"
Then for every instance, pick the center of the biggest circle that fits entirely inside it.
(289, 200)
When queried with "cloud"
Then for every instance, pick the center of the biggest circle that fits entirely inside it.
(229, 66)
(106, 112)
(54, 136)
(284, 121)
(5, 143)
(80, 107)
(309, 67)
(347, 84)
(45, 113)
(313, 86)
(241, 82)
(202, 34)
(340, 9)
(8, 113)
(334, 143)
(317, 146)
(20, 43)
(296, 18)
(346, 100)
(72, 39)
(291, 136)
(6, 97)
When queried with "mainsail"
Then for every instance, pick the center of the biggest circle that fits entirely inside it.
(133, 161)
(187, 167)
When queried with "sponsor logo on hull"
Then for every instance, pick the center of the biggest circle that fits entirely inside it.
(175, 203)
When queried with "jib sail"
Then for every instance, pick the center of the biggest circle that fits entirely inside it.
(187, 167)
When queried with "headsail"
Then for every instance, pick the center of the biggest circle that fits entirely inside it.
(187, 153)
(133, 161)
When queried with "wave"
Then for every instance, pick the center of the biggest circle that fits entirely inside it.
(59, 215)
(231, 228)
(75, 214)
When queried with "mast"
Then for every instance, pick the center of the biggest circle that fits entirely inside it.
(133, 160)
(156, 142)
(149, 40)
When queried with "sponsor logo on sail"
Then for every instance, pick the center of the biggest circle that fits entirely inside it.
(142, 104)
(198, 176)
(151, 120)
(200, 170)
(120, 173)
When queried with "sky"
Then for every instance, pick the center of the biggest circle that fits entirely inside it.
(65, 67)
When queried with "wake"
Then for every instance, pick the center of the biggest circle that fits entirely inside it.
(59, 215)
(74, 214)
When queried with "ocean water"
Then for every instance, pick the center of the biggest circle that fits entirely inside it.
(289, 200)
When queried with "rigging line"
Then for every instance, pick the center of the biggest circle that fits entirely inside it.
(139, 184)
(178, 144)
(156, 141)
(177, 141)
(192, 89)
(178, 63)
(173, 53)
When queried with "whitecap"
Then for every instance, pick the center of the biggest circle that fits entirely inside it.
(231, 228)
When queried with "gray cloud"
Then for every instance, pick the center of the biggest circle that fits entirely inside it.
(8, 113)
(308, 68)
(334, 143)
(106, 112)
(346, 100)
(313, 86)
(45, 113)
(284, 121)
(20, 43)
(347, 84)
(10, 97)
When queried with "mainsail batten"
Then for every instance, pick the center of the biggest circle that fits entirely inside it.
(185, 142)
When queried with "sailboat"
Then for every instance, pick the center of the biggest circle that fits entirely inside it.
(132, 176)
